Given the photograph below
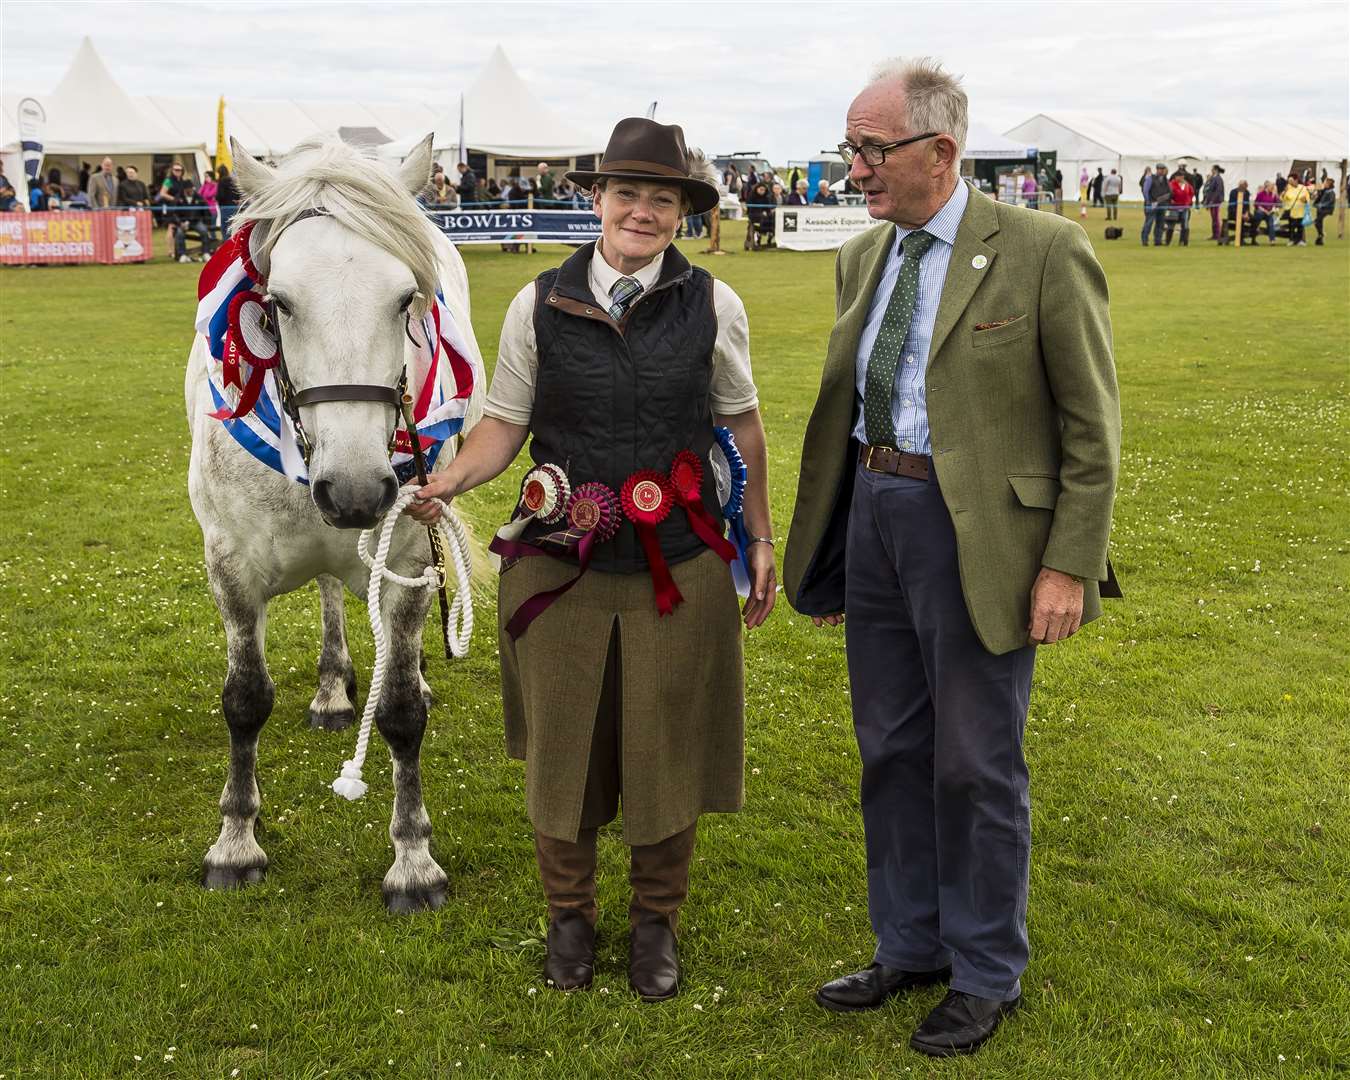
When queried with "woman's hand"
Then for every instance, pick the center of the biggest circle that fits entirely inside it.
(438, 486)
(763, 585)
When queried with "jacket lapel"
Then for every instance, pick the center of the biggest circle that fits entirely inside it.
(848, 330)
(978, 223)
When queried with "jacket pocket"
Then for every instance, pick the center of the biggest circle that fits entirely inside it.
(998, 335)
(1036, 491)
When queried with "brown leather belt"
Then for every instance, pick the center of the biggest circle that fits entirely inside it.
(886, 459)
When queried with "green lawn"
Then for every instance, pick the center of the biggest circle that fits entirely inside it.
(1189, 910)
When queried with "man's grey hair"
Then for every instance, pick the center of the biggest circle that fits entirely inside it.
(934, 100)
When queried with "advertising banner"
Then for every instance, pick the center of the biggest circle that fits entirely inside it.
(489, 226)
(819, 228)
(75, 236)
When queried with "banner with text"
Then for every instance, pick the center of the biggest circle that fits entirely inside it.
(75, 236)
(488, 226)
(819, 228)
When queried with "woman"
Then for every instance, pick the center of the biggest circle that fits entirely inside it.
(1183, 194)
(1295, 199)
(759, 210)
(208, 191)
(623, 360)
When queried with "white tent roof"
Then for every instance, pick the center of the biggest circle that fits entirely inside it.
(90, 114)
(1216, 138)
(984, 144)
(502, 116)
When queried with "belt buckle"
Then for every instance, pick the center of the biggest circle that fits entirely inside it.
(871, 450)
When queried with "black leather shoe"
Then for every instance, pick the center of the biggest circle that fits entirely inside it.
(869, 988)
(960, 1024)
(570, 963)
(653, 964)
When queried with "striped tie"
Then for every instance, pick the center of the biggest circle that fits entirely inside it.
(885, 356)
(623, 292)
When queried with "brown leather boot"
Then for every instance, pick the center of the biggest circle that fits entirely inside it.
(567, 872)
(659, 875)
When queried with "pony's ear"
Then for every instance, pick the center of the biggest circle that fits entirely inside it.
(251, 176)
(415, 172)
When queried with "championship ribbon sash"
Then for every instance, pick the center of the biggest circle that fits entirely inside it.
(647, 499)
(730, 475)
(593, 518)
(686, 477)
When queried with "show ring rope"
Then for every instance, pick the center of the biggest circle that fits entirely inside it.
(350, 785)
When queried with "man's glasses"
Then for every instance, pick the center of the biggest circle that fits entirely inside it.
(874, 154)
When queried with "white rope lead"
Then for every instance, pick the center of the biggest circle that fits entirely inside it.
(456, 541)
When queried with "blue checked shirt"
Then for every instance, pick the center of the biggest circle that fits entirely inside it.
(909, 406)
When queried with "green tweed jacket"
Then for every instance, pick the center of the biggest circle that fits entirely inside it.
(1023, 412)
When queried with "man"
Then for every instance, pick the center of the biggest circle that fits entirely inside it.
(955, 500)
(824, 196)
(1240, 205)
(1325, 205)
(1112, 186)
(468, 184)
(1157, 197)
(1212, 197)
(103, 186)
(1097, 182)
(543, 186)
(132, 190)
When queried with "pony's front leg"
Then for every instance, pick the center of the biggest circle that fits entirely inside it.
(334, 705)
(415, 881)
(235, 859)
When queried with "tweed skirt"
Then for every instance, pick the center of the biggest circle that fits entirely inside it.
(681, 698)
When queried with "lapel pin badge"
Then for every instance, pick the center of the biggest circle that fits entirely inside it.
(979, 262)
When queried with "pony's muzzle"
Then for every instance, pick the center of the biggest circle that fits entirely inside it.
(354, 505)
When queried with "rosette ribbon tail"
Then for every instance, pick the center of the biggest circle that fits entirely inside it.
(705, 528)
(668, 596)
(740, 568)
(540, 602)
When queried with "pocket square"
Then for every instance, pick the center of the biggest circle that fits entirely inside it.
(995, 325)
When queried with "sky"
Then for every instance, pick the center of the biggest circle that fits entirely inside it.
(740, 75)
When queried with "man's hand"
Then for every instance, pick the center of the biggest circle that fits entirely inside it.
(828, 620)
(1056, 607)
(763, 585)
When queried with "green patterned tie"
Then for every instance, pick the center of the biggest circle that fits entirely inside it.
(885, 355)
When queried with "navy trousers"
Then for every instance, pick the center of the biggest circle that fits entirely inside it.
(939, 719)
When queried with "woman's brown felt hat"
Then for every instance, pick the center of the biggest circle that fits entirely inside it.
(642, 149)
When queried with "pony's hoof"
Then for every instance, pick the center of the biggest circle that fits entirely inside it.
(411, 901)
(226, 878)
(340, 720)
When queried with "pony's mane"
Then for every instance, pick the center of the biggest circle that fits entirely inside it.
(364, 196)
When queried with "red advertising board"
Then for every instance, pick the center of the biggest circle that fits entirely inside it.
(75, 236)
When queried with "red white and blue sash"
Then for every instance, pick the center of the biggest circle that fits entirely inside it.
(442, 373)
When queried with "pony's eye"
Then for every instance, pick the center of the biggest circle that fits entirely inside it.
(407, 302)
(281, 305)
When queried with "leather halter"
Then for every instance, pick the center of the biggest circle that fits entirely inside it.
(292, 400)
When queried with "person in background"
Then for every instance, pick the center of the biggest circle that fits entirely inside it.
(1265, 212)
(1059, 192)
(1280, 183)
(208, 191)
(193, 215)
(9, 200)
(132, 191)
(778, 195)
(440, 195)
(544, 185)
(468, 184)
(759, 206)
(1084, 182)
(102, 186)
(1238, 196)
(1029, 192)
(1324, 205)
(227, 198)
(1112, 186)
(1157, 197)
(1212, 198)
(798, 196)
(85, 170)
(1095, 188)
(1295, 199)
(824, 196)
(1183, 195)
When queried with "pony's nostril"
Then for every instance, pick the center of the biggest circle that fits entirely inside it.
(322, 493)
(388, 492)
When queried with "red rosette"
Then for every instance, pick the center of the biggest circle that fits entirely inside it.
(250, 325)
(244, 238)
(686, 478)
(647, 499)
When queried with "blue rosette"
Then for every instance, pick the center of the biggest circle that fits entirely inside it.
(729, 474)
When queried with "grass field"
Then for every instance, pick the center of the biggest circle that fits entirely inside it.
(1191, 800)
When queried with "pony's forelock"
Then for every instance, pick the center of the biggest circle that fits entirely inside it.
(364, 196)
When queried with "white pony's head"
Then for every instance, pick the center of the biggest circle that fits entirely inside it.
(344, 284)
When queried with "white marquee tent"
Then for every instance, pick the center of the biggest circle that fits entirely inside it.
(1250, 149)
(984, 145)
(502, 119)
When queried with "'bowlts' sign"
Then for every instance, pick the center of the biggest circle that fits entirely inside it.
(488, 226)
